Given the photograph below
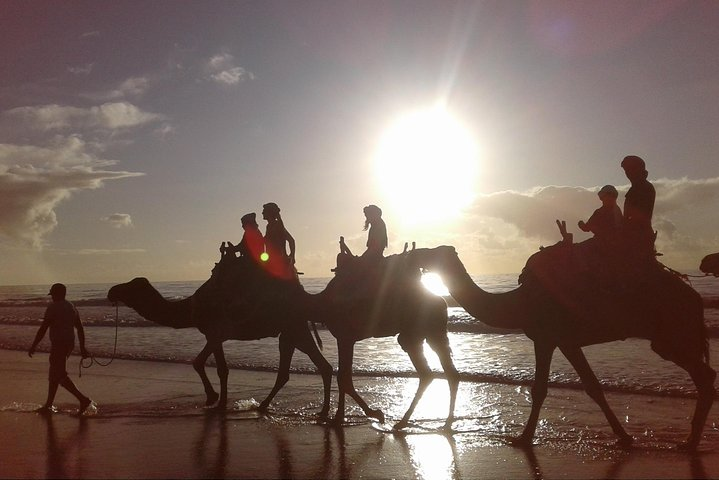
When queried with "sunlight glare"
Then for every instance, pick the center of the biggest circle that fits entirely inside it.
(433, 282)
(432, 456)
(426, 165)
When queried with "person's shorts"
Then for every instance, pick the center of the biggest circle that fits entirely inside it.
(58, 357)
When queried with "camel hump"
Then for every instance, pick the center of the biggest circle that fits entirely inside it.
(361, 278)
(589, 268)
(239, 290)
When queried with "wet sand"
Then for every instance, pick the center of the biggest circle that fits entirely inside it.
(150, 424)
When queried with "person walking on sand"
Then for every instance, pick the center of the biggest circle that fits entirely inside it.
(62, 318)
(377, 235)
(638, 208)
(277, 239)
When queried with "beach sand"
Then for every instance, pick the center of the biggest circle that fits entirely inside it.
(150, 424)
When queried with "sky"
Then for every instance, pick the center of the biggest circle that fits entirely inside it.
(134, 135)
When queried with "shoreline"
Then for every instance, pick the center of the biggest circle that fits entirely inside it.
(150, 424)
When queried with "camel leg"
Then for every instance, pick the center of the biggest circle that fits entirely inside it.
(287, 349)
(222, 372)
(441, 347)
(543, 359)
(703, 377)
(416, 354)
(345, 351)
(307, 345)
(199, 365)
(594, 390)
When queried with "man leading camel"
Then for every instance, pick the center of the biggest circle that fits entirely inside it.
(62, 319)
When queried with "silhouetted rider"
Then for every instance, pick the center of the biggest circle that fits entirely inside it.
(252, 243)
(638, 207)
(277, 239)
(377, 235)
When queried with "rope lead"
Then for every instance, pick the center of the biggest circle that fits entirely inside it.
(92, 358)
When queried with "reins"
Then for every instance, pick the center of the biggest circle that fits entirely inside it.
(92, 358)
(684, 276)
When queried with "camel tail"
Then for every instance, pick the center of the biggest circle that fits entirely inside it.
(317, 336)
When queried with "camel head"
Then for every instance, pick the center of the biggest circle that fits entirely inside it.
(710, 264)
(439, 259)
(132, 292)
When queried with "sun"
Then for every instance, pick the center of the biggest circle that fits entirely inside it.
(433, 282)
(427, 166)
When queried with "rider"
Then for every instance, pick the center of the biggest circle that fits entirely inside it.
(252, 243)
(277, 238)
(606, 221)
(377, 236)
(638, 208)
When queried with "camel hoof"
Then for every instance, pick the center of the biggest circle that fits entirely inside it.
(625, 441)
(402, 424)
(377, 414)
(688, 446)
(522, 441)
(337, 421)
(323, 415)
(220, 407)
(212, 397)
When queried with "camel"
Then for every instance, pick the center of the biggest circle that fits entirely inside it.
(710, 264)
(556, 309)
(265, 308)
(387, 299)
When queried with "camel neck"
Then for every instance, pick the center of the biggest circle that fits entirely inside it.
(500, 310)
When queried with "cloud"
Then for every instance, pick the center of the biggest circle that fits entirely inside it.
(113, 251)
(117, 115)
(93, 33)
(85, 69)
(164, 130)
(35, 179)
(221, 68)
(118, 220)
(131, 87)
(518, 222)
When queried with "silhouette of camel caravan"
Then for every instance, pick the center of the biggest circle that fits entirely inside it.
(559, 304)
(240, 301)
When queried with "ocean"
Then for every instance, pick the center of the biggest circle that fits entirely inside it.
(481, 354)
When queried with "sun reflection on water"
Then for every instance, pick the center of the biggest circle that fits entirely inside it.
(432, 456)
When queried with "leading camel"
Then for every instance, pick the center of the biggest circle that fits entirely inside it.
(553, 310)
(239, 302)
